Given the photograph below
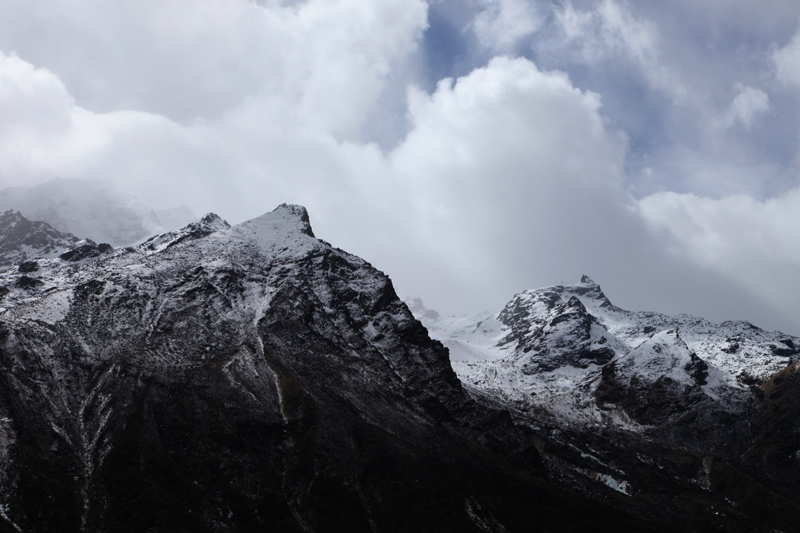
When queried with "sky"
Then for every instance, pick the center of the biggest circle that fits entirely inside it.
(470, 149)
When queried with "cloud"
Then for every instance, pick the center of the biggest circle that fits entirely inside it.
(514, 175)
(748, 103)
(609, 30)
(752, 242)
(32, 99)
(43, 133)
(671, 75)
(517, 181)
(487, 157)
(202, 101)
(327, 60)
(503, 23)
(787, 62)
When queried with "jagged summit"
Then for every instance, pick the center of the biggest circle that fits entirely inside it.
(22, 239)
(285, 217)
(297, 211)
(212, 221)
(546, 344)
(588, 289)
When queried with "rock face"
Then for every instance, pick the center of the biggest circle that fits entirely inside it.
(250, 378)
(22, 239)
(675, 414)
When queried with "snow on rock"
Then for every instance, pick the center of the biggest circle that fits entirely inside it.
(550, 349)
(50, 309)
(664, 355)
(619, 486)
(22, 240)
(205, 226)
(285, 232)
(249, 354)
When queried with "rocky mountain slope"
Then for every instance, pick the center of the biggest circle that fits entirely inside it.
(93, 209)
(667, 411)
(253, 378)
(22, 239)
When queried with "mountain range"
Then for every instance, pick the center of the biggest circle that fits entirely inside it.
(256, 378)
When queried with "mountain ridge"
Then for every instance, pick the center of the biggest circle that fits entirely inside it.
(250, 377)
(246, 377)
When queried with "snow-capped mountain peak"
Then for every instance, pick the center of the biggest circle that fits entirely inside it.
(22, 239)
(239, 368)
(554, 344)
(290, 222)
(275, 382)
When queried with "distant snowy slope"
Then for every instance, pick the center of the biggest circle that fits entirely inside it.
(93, 209)
(560, 349)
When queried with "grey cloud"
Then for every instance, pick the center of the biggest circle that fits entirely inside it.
(184, 60)
(668, 74)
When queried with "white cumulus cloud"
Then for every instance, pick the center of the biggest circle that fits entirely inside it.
(326, 60)
(753, 242)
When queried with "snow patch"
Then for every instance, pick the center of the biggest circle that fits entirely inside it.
(620, 486)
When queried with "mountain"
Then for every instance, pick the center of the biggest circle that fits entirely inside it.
(252, 378)
(93, 209)
(674, 413)
(556, 342)
(22, 239)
